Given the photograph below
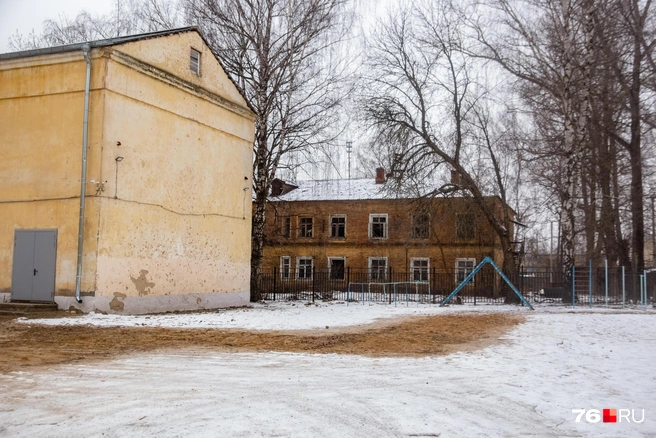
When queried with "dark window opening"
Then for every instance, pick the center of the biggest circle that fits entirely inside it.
(338, 226)
(420, 226)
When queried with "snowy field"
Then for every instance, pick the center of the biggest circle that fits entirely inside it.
(528, 384)
(296, 315)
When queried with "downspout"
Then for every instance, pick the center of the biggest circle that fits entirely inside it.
(83, 182)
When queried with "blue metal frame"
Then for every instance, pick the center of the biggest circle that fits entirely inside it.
(473, 273)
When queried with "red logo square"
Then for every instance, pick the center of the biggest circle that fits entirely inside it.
(610, 415)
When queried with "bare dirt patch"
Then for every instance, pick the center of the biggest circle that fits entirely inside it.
(23, 345)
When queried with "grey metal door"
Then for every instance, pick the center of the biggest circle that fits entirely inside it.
(33, 273)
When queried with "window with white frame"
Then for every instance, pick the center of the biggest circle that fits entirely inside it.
(304, 268)
(463, 268)
(285, 267)
(378, 226)
(305, 227)
(419, 268)
(338, 226)
(377, 268)
(336, 267)
(194, 61)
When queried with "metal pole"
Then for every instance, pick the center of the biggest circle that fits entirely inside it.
(590, 285)
(644, 289)
(606, 282)
(406, 296)
(313, 277)
(573, 285)
(275, 277)
(551, 251)
(623, 287)
(348, 277)
(653, 234)
(83, 180)
(394, 294)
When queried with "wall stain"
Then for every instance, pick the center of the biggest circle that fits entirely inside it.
(116, 304)
(142, 284)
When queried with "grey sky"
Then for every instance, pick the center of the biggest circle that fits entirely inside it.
(25, 15)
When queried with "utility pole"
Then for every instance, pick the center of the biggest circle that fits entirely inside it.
(349, 149)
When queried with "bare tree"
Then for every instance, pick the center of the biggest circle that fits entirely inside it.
(281, 54)
(426, 107)
(128, 17)
(579, 67)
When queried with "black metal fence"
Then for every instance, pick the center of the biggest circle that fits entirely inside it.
(591, 286)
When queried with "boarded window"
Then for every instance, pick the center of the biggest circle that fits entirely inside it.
(194, 61)
(465, 226)
(338, 226)
(286, 227)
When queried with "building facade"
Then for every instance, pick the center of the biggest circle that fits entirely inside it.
(166, 216)
(352, 226)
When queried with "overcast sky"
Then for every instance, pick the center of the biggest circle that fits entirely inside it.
(25, 15)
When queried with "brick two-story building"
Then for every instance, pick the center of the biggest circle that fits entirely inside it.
(360, 225)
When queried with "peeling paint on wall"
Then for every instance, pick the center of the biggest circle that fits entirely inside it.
(142, 284)
(117, 305)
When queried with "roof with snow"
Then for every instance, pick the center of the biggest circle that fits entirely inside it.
(338, 190)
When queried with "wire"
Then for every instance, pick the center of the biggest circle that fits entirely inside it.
(18, 201)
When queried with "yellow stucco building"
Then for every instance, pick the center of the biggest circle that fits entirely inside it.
(165, 202)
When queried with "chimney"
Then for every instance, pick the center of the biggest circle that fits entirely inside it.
(380, 175)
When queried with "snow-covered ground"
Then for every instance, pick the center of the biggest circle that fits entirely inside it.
(296, 315)
(527, 385)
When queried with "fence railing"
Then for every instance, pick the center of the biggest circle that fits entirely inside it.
(590, 286)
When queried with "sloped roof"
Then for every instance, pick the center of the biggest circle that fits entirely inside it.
(122, 40)
(337, 190)
(94, 44)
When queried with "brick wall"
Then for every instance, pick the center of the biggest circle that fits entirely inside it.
(442, 246)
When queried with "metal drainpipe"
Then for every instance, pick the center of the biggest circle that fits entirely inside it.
(83, 183)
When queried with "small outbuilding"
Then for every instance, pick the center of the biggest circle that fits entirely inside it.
(125, 176)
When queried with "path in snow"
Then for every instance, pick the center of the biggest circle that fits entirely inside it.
(527, 385)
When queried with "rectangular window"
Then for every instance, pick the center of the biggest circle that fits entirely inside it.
(378, 226)
(338, 226)
(304, 268)
(377, 268)
(463, 268)
(286, 227)
(420, 226)
(285, 267)
(194, 61)
(419, 269)
(337, 266)
(465, 226)
(305, 227)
